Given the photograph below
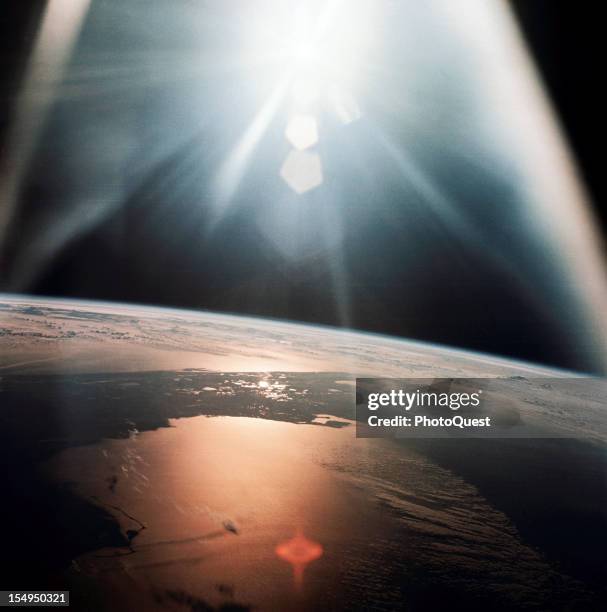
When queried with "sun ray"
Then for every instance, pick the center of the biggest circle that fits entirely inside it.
(234, 167)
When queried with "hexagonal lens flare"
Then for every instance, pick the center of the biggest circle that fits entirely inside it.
(302, 131)
(302, 171)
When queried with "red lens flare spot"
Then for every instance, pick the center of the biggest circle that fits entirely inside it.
(299, 551)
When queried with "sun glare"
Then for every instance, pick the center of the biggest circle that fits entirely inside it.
(318, 49)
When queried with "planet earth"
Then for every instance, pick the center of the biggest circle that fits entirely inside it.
(157, 459)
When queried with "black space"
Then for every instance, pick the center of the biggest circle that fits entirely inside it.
(568, 48)
(124, 259)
